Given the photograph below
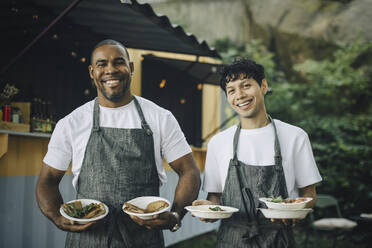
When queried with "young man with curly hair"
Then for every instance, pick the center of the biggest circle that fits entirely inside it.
(260, 157)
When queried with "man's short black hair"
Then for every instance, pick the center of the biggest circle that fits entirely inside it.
(108, 42)
(243, 67)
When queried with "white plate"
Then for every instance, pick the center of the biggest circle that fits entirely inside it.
(365, 215)
(85, 202)
(285, 214)
(142, 202)
(203, 211)
(285, 206)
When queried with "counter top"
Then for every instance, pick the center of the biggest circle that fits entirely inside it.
(39, 135)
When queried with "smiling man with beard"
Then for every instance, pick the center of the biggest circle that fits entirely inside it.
(116, 144)
(260, 157)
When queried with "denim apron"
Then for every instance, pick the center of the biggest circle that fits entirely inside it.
(119, 165)
(243, 186)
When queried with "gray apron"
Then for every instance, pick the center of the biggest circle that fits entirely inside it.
(243, 186)
(119, 165)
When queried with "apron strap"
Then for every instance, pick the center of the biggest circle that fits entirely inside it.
(144, 124)
(278, 155)
(245, 191)
(235, 143)
(96, 116)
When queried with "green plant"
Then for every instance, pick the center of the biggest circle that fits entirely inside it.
(7, 94)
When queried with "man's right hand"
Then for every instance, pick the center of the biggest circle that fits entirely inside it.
(204, 202)
(49, 200)
(70, 226)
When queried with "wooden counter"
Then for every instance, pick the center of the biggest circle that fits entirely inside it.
(22, 153)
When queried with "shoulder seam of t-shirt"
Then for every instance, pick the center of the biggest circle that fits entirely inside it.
(222, 133)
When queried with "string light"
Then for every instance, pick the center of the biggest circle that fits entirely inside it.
(199, 86)
(55, 36)
(73, 54)
(182, 100)
(162, 83)
(35, 17)
(83, 59)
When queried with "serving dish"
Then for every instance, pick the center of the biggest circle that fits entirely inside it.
(285, 214)
(206, 212)
(142, 202)
(84, 202)
(299, 203)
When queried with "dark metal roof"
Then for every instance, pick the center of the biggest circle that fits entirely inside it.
(135, 25)
(206, 73)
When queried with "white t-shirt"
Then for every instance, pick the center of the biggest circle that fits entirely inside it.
(256, 147)
(71, 134)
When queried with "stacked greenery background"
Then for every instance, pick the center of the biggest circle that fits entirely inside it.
(331, 101)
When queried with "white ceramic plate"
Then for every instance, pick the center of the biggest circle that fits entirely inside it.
(285, 214)
(84, 202)
(285, 206)
(142, 202)
(203, 211)
(367, 216)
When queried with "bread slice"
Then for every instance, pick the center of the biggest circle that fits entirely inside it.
(134, 209)
(97, 211)
(156, 206)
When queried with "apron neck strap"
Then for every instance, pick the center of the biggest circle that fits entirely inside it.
(236, 141)
(96, 116)
(278, 155)
(144, 124)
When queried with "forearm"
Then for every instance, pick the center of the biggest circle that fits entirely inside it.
(215, 198)
(187, 191)
(49, 199)
(309, 191)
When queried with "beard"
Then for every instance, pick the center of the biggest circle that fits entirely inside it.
(114, 97)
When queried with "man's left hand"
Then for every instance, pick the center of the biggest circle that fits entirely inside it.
(159, 221)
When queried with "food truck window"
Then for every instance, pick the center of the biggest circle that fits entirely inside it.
(177, 91)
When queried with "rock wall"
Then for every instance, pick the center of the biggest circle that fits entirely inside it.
(294, 30)
(207, 19)
(297, 30)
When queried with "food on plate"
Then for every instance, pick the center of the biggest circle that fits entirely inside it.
(150, 208)
(156, 206)
(76, 210)
(216, 208)
(279, 199)
(134, 209)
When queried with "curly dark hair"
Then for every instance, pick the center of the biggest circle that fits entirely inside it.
(241, 67)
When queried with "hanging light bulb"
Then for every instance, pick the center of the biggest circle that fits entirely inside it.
(83, 59)
(199, 86)
(182, 100)
(162, 83)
